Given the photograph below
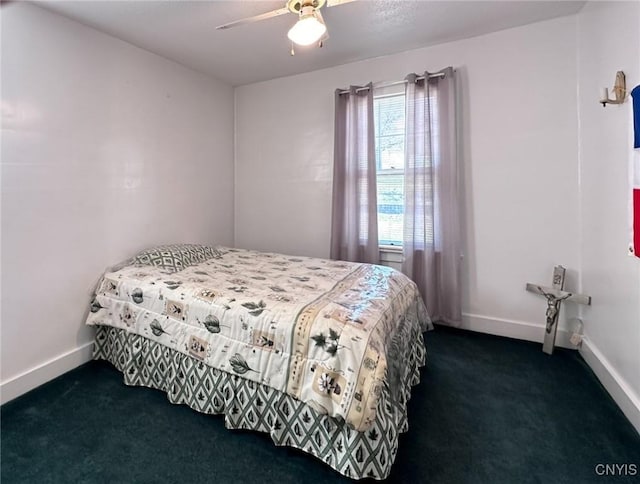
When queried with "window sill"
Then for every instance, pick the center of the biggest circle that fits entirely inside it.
(391, 249)
(391, 255)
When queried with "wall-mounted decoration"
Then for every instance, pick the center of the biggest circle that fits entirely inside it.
(634, 177)
(619, 91)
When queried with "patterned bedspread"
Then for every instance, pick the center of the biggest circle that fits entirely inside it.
(328, 333)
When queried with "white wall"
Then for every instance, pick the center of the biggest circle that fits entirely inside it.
(609, 41)
(106, 149)
(519, 105)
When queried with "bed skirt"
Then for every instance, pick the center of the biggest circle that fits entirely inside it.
(253, 406)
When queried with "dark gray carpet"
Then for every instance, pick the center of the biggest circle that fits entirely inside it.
(488, 410)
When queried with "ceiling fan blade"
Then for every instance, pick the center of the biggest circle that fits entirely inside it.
(333, 3)
(255, 18)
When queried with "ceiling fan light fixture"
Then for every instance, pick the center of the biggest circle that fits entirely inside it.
(308, 29)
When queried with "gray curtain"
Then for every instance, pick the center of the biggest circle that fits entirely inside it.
(432, 233)
(354, 225)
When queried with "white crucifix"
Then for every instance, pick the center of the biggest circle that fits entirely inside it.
(555, 295)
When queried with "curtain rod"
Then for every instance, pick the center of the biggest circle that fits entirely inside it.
(392, 83)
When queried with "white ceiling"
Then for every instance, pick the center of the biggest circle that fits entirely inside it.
(184, 31)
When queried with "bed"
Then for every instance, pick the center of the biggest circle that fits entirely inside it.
(320, 354)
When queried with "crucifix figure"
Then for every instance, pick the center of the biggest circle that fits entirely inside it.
(555, 295)
(553, 306)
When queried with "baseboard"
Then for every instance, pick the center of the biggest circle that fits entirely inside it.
(18, 385)
(617, 387)
(513, 329)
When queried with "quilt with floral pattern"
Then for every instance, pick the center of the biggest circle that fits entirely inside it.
(328, 333)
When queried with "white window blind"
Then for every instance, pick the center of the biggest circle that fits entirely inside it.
(389, 121)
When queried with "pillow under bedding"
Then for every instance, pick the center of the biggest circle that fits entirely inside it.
(175, 257)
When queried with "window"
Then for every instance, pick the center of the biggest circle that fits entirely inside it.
(388, 112)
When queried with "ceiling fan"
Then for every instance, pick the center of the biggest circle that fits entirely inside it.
(310, 27)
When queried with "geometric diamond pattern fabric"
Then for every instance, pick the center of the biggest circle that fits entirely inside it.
(174, 258)
(253, 406)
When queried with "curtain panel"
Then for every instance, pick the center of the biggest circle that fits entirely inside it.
(354, 225)
(432, 225)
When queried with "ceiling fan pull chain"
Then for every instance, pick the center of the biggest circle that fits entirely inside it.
(293, 52)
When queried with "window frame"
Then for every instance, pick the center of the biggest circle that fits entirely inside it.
(397, 91)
